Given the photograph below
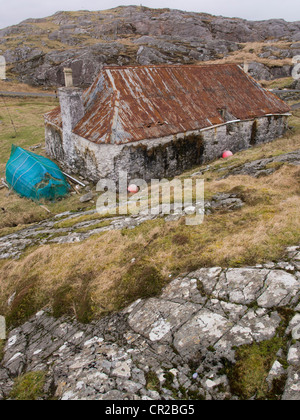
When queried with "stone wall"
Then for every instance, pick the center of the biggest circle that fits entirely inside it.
(54, 143)
(159, 158)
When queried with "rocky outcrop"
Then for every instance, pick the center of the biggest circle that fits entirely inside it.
(262, 72)
(38, 49)
(178, 345)
(263, 167)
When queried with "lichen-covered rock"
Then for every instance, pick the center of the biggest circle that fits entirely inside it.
(179, 345)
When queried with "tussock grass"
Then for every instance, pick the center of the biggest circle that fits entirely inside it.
(28, 387)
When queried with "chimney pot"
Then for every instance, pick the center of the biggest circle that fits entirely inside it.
(246, 67)
(68, 77)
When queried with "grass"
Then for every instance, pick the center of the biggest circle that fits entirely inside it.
(28, 387)
(283, 83)
(248, 376)
(27, 114)
(13, 86)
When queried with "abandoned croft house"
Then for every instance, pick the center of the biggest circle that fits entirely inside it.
(158, 121)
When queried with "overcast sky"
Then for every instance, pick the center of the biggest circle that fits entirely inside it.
(14, 11)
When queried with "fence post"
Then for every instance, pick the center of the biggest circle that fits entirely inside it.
(2, 68)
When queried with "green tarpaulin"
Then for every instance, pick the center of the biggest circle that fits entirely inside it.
(34, 176)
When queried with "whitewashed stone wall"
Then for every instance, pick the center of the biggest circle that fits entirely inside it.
(159, 158)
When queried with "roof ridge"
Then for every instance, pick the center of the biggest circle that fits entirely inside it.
(115, 110)
(170, 66)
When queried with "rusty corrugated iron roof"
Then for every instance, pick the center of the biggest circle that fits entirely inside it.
(128, 104)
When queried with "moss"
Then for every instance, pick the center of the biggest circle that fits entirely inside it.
(28, 387)
(187, 394)
(286, 315)
(196, 396)
(201, 289)
(248, 376)
(277, 388)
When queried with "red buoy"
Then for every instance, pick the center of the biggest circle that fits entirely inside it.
(227, 154)
(133, 189)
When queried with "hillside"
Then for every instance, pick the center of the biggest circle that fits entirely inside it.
(143, 306)
(36, 50)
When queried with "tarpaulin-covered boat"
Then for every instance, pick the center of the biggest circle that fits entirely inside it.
(34, 176)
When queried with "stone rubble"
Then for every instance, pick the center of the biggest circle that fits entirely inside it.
(168, 347)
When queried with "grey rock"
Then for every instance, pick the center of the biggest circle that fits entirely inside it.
(292, 388)
(156, 319)
(277, 371)
(225, 202)
(87, 197)
(294, 327)
(122, 370)
(294, 355)
(280, 287)
(240, 285)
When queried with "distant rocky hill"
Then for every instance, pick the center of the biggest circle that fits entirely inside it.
(36, 50)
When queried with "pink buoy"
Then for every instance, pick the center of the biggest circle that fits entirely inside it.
(227, 154)
(133, 189)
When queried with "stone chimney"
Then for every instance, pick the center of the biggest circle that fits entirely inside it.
(72, 111)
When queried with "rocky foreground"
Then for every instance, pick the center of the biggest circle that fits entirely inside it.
(181, 345)
(37, 50)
